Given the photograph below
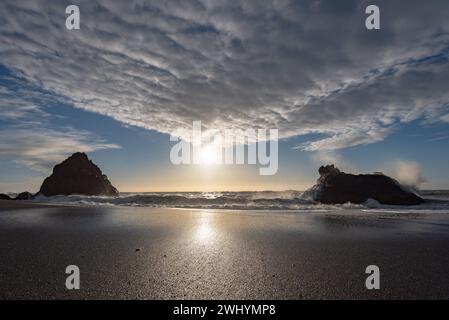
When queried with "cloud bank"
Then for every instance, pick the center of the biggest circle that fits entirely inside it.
(299, 66)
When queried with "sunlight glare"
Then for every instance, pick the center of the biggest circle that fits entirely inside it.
(205, 231)
(209, 155)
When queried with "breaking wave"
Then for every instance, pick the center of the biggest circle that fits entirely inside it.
(262, 200)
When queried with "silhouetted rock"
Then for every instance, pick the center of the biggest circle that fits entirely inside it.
(336, 187)
(77, 175)
(24, 196)
(5, 197)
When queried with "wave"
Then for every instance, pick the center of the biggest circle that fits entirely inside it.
(262, 200)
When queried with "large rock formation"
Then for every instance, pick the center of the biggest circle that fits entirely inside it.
(77, 175)
(336, 187)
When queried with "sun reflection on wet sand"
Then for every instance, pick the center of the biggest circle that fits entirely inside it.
(205, 230)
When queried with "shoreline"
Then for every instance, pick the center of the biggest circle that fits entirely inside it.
(26, 204)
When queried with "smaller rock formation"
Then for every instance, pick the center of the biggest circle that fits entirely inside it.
(5, 197)
(336, 187)
(24, 196)
(77, 175)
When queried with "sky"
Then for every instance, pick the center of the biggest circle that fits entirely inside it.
(137, 71)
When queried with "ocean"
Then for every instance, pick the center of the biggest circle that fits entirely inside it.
(436, 200)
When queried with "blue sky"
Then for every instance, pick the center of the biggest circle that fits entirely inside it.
(364, 100)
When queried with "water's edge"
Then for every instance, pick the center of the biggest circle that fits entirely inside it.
(437, 200)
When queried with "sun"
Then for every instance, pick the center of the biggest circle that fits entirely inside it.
(208, 155)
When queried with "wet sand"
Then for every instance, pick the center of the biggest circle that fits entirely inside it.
(145, 253)
(24, 204)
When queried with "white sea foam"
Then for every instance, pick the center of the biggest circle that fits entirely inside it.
(262, 200)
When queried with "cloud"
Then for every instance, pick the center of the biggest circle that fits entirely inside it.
(299, 66)
(445, 118)
(22, 103)
(41, 149)
(28, 136)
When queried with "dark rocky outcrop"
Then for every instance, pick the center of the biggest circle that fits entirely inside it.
(336, 187)
(24, 196)
(77, 175)
(5, 197)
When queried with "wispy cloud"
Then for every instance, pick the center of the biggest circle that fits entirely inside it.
(41, 149)
(445, 118)
(299, 66)
(27, 134)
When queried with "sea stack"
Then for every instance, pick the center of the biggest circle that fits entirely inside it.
(336, 187)
(77, 175)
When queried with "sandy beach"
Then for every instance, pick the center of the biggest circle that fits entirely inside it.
(150, 253)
